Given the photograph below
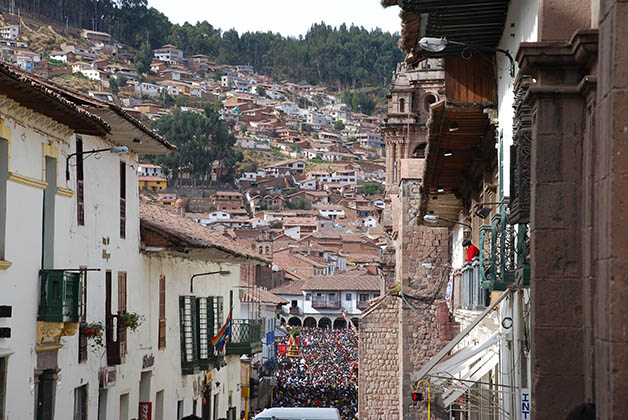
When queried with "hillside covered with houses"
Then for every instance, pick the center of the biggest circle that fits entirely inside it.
(289, 174)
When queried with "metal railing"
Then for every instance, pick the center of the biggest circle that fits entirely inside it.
(326, 303)
(472, 291)
(504, 253)
(245, 331)
(362, 304)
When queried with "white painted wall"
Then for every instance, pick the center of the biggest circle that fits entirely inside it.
(524, 15)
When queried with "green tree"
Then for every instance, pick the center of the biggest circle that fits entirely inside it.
(370, 188)
(339, 125)
(200, 140)
(260, 91)
(143, 59)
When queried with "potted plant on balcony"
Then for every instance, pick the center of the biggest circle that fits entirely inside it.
(131, 320)
(93, 331)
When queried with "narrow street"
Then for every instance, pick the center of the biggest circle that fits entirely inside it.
(325, 374)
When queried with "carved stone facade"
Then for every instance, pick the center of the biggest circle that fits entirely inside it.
(400, 332)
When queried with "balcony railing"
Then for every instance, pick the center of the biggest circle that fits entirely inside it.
(504, 255)
(246, 337)
(60, 296)
(294, 310)
(326, 303)
(472, 292)
(362, 304)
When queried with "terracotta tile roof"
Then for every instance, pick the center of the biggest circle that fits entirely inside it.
(257, 294)
(363, 258)
(167, 221)
(42, 96)
(294, 287)
(354, 280)
(300, 221)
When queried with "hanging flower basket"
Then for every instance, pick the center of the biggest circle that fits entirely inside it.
(131, 320)
(94, 331)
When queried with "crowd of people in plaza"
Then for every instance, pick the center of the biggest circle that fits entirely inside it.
(323, 375)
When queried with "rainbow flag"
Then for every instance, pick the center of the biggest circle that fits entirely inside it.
(219, 340)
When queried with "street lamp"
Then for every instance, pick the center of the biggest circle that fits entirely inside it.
(221, 272)
(434, 218)
(115, 149)
(439, 44)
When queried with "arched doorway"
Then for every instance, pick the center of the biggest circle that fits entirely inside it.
(356, 322)
(340, 323)
(294, 322)
(324, 323)
(309, 322)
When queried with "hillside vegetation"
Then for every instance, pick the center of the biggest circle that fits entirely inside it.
(340, 58)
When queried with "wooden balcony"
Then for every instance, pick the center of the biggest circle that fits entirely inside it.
(246, 337)
(362, 304)
(325, 304)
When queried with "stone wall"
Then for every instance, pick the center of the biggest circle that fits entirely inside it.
(379, 361)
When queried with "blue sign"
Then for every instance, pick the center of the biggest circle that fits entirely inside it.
(270, 337)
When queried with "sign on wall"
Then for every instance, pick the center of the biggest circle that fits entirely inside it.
(525, 404)
(146, 410)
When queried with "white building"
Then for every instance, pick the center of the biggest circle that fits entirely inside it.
(10, 32)
(332, 212)
(192, 311)
(321, 300)
(169, 53)
(90, 222)
(148, 169)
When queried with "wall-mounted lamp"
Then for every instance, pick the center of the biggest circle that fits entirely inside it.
(434, 218)
(448, 153)
(439, 44)
(115, 149)
(453, 126)
(221, 272)
(483, 212)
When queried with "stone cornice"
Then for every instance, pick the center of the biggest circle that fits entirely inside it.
(26, 180)
(28, 118)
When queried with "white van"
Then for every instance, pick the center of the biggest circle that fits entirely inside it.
(298, 413)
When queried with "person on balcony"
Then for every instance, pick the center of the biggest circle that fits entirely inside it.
(472, 250)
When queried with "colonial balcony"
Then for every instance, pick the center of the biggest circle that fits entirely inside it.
(60, 296)
(246, 337)
(504, 254)
(326, 303)
(294, 310)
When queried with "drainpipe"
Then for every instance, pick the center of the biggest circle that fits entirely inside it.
(517, 356)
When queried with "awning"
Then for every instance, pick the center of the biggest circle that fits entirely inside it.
(460, 372)
(442, 356)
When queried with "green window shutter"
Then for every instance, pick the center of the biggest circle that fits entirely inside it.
(188, 316)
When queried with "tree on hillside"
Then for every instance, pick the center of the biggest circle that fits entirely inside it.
(370, 188)
(143, 59)
(260, 91)
(339, 125)
(200, 140)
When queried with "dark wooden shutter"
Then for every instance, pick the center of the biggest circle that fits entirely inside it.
(80, 192)
(122, 200)
(162, 312)
(113, 349)
(122, 331)
(82, 353)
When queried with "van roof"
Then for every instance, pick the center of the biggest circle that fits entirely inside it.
(299, 413)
